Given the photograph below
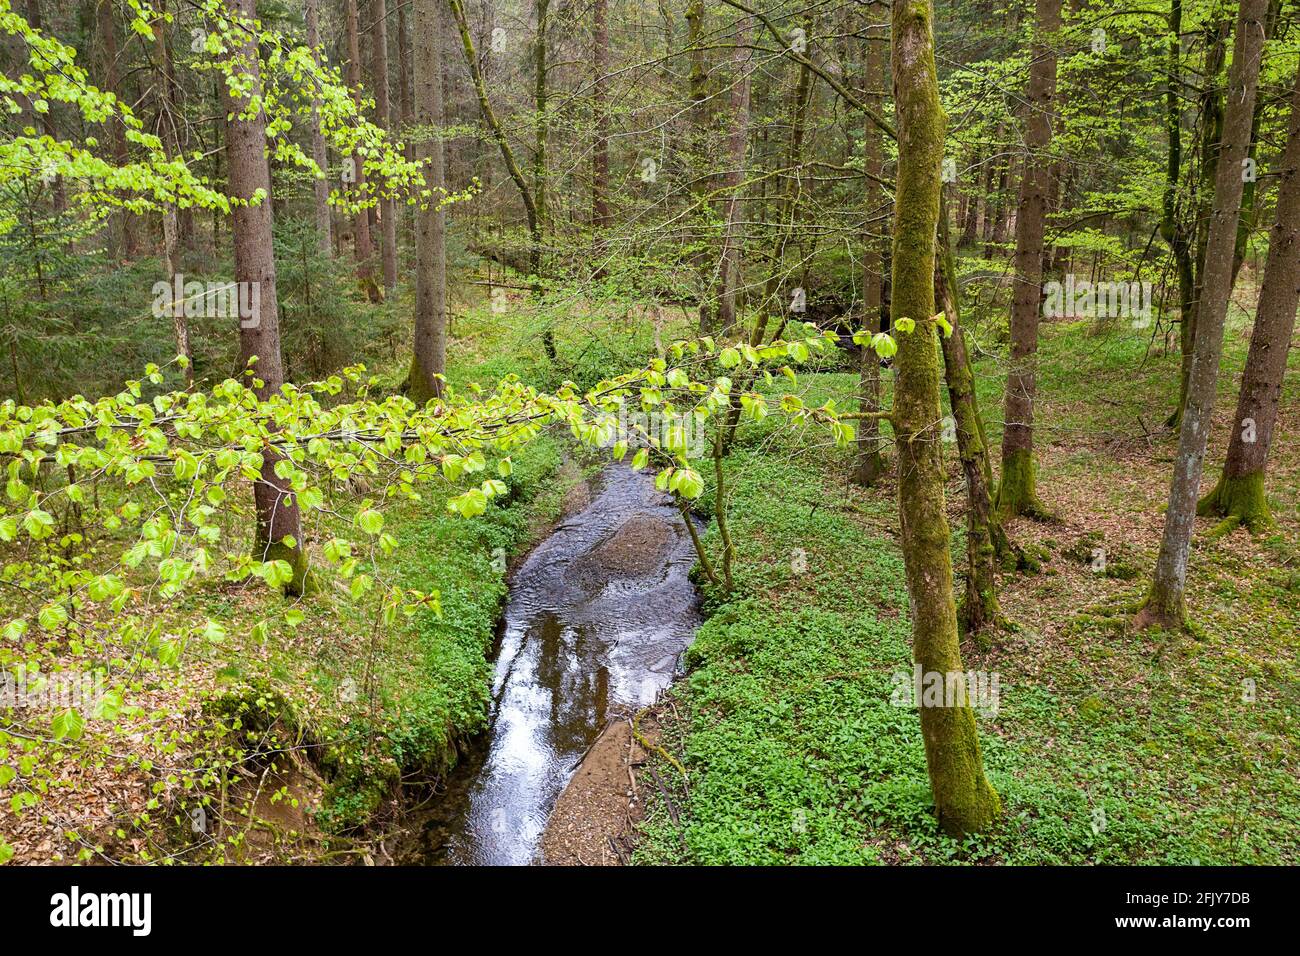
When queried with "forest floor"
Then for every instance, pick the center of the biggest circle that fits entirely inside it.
(1106, 746)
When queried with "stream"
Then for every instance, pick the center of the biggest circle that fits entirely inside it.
(594, 628)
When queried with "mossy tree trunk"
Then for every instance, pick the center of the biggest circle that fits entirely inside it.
(429, 348)
(963, 799)
(870, 463)
(1017, 491)
(1165, 605)
(979, 610)
(278, 534)
(1239, 494)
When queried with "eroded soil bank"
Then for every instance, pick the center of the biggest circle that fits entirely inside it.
(594, 628)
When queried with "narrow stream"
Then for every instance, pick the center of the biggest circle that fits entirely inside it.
(595, 625)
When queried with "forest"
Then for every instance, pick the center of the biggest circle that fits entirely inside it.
(612, 433)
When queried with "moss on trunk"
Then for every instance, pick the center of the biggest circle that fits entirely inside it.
(1018, 489)
(302, 580)
(1239, 500)
(963, 799)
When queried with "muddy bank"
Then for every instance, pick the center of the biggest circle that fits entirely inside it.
(594, 629)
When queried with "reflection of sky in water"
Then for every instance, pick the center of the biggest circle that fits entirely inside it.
(574, 653)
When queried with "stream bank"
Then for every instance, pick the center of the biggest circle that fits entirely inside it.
(595, 626)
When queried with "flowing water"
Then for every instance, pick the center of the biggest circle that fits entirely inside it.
(595, 625)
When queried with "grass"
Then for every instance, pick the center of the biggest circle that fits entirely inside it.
(231, 719)
(1107, 747)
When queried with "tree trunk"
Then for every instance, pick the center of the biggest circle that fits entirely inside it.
(125, 228)
(1172, 226)
(963, 799)
(279, 531)
(729, 260)
(168, 125)
(979, 610)
(1017, 491)
(1165, 605)
(363, 247)
(1239, 494)
(1211, 122)
(321, 186)
(543, 8)
(383, 114)
(600, 116)
(870, 464)
(700, 159)
(429, 351)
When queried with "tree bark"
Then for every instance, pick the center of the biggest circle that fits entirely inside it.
(963, 799)
(321, 186)
(729, 260)
(429, 351)
(979, 610)
(383, 114)
(125, 228)
(600, 116)
(1211, 122)
(700, 159)
(1165, 604)
(1017, 491)
(279, 529)
(1173, 228)
(542, 129)
(1239, 494)
(168, 124)
(363, 247)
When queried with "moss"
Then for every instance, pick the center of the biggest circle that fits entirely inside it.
(1161, 611)
(302, 581)
(417, 387)
(1239, 500)
(1018, 489)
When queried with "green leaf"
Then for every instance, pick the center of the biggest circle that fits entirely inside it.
(69, 724)
(53, 616)
(39, 524)
(371, 521)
